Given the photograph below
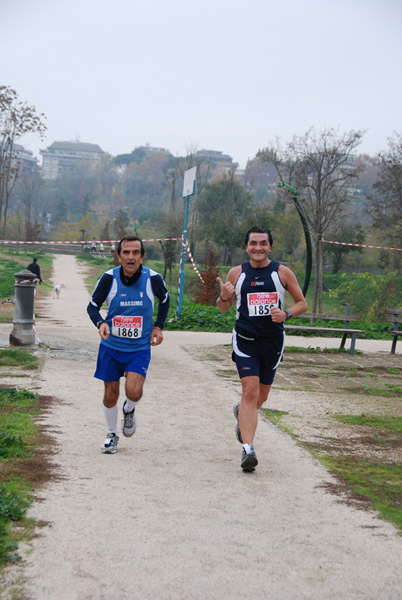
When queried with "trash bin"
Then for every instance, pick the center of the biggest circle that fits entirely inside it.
(23, 321)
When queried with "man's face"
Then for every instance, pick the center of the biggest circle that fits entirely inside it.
(130, 257)
(258, 247)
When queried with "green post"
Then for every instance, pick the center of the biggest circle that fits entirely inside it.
(188, 190)
(183, 257)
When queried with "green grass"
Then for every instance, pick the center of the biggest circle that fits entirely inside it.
(390, 390)
(17, 428)
(318, 350)
(379, 483)
(275, 416)
(11, 357)
(15, 498)
(18, 435)
(16, 262)
(381, 422)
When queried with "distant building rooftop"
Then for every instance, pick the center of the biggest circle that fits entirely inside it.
(74, 146)
(64, 157)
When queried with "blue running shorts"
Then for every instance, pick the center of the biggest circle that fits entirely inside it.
(112, 364)
(258, 357)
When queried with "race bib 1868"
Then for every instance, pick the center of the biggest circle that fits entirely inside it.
(259, 305)
(127, 327)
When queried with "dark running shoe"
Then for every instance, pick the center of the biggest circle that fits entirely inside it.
(237, 429)
(249, 460)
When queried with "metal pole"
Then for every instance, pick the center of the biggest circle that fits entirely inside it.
(183, 257)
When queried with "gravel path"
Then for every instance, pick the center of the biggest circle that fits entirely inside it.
(171, 515)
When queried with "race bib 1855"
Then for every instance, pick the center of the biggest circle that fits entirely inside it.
(259, 305)
(127, 327)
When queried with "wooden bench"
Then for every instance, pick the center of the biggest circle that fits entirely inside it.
(394, 315)
(346, 330)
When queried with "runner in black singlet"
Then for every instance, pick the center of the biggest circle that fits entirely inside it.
(258, 289)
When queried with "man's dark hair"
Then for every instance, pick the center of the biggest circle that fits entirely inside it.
(257, 229)
(130, 238)
(35, 260)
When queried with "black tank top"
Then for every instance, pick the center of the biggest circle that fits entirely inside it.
(257, 290)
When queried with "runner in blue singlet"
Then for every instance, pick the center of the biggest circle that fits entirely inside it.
(127, 332)
(258, 289)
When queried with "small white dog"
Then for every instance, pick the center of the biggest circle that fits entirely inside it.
(57, 290)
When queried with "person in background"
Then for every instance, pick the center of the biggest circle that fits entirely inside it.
(35, 268)
(258, 289)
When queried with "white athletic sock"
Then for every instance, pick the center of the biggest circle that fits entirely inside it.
(128, 405)
(248, 448)
(111, 418)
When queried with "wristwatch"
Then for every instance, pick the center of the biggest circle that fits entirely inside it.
(288, 315)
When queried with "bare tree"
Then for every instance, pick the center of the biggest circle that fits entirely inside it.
(29, 185)
(16, 119)
(225, 208)
(322, 167)
(386, 200)
(174, 223)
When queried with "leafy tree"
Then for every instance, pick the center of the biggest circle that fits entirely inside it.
(76, 230)
(137, 156)
(85, 205)
(369, 295)
(143, 184)
(16, 119)
(61, 213)
(121, 223)
(354, 234)
(224, 208)
(321, 166)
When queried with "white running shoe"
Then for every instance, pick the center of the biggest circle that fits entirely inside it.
(110, 444)
(237, 428)
(128, 423)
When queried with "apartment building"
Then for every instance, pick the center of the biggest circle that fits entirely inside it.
(64, 157)
(25, 159)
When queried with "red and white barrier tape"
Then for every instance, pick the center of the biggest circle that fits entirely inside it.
(88, 241)
(170, 240)
(361, 245)
(178, 287)
(193, 263)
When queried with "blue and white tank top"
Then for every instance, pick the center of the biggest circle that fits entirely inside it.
(130, 313)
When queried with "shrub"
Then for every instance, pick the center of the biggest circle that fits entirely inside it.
(207, 291)
(369, 295)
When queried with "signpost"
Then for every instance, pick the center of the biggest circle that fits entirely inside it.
(188, 190)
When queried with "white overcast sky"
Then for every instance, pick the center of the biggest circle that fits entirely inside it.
(227, 75)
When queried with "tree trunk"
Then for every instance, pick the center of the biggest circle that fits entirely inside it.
(320, 286)
(318, 283)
